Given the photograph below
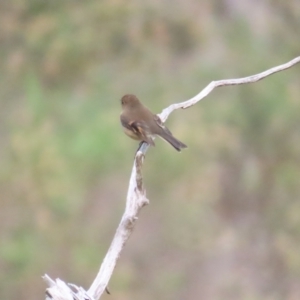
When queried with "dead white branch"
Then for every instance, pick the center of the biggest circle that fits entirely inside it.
(250, 79)
(136, 199)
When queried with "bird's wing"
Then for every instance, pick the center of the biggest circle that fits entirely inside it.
(139, 128)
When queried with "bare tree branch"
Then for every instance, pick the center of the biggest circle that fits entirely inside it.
(136, 199)
(250, 79)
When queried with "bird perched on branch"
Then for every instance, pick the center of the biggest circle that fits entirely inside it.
(141, 124)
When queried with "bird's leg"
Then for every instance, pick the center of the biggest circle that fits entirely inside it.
(140, 146)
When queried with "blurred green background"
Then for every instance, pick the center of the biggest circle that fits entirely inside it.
(224, 215)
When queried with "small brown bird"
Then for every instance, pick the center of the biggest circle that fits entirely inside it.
(141, 124)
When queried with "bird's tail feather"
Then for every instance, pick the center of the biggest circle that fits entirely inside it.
(172, 140)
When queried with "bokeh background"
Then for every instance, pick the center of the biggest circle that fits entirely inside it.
(224, 217)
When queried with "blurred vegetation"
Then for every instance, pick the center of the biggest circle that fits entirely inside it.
(224, 216)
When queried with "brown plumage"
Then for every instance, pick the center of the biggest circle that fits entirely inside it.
(141, 124)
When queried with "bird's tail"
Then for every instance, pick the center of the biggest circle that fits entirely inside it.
(167, 135)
